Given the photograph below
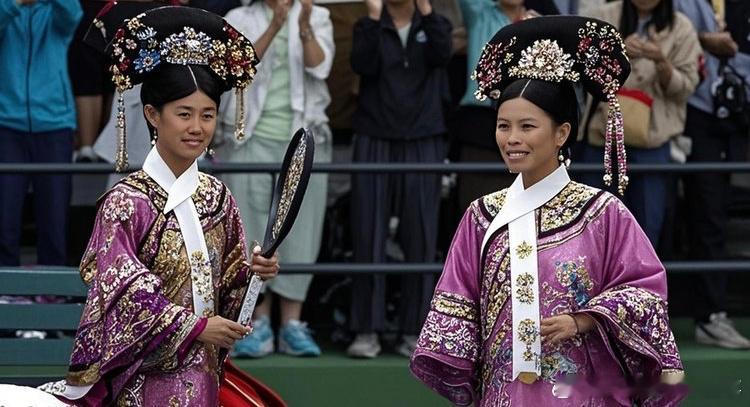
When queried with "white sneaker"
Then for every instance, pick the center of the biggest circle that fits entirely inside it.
(364, 346)
(407, 346)
(30, 334)
(720, 332)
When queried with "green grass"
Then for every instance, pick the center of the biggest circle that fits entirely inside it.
(716, 377)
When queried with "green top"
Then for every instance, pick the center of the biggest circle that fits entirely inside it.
(275, 120)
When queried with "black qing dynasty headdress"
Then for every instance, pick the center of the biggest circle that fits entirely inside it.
(562, 48)
(179, 36)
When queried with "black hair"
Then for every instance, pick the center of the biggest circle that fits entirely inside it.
(558, 100)
(662, 17)
(170, 82)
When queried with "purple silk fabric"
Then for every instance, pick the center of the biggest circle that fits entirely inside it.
(136, 342)
(594, 259)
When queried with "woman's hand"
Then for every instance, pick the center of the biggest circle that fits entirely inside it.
(280, 13)
(263, 267)
(424, 7)
(304, 15)
(650, 50)
(374, 8)
(222, 332)
(563, 327)
(634, 46)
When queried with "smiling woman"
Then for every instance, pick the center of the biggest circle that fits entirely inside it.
(180, 103)
(551, 293)
(534, 123)
(167, 263)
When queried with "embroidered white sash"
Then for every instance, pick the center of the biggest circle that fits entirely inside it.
(179, 199)
(518, 212)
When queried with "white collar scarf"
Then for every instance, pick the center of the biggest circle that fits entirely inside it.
(518, 212)
(179, 198)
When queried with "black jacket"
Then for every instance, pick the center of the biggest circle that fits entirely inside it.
(402, 91)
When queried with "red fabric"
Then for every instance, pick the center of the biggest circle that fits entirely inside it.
(636, 94)
(239, 389)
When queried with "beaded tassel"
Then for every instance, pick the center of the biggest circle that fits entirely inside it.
(121, 157)
(239, 116)
(615, 135)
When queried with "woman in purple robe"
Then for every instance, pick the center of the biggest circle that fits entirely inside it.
(551, 293)
(167, 263)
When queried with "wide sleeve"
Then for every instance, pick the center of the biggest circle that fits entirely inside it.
(127, 320)
(236, 263)
(448, 346)
(630, 312)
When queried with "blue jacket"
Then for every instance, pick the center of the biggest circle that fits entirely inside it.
(35, 91)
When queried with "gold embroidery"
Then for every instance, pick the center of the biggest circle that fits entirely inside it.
(171, 262)
(498, 294)
(523, 250)
(524, 289)
(454, 305)
(528, 334)
(545, 60)
(289, 189)
(201, 278)
(566, 206)
(494, 201)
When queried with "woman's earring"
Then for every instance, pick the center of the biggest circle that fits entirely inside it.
(564, 161)
(154, 137)
(209, 152)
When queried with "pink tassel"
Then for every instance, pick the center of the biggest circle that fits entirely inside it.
(615, 135)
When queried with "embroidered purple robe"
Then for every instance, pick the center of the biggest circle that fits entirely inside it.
(593, 258)
(136, 342)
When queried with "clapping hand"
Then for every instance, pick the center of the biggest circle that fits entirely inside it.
(280, 13)
(374, 8)
(304, 15)
(639, 48)
(424, 7)
(634, 46)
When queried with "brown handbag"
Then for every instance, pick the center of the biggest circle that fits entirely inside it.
(636, 113)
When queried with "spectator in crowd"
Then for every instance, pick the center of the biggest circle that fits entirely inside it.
(542, 7)
(716, 136)
(585, 7)
(294, 41)
(92, 86)
(400, 50)
(219, 7)
(475, 120)
(569, 7)
(664, 52)
(37, 121)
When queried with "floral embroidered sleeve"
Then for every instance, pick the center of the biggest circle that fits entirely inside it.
(631, 311)
(127, 321)
(448, 347)
(236, 273)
